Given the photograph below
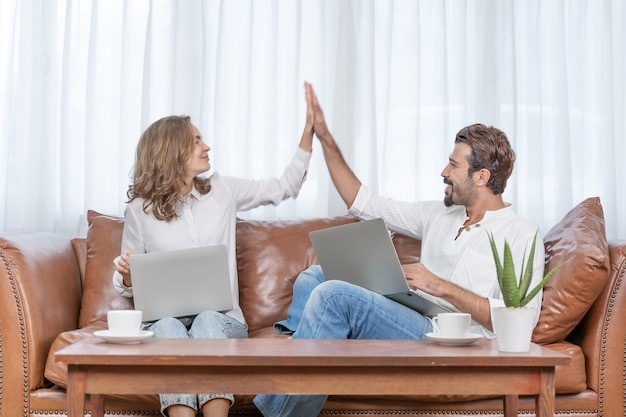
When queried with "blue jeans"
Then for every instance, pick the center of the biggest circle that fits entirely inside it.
(339, 310)
(206, 325)
(302, 288)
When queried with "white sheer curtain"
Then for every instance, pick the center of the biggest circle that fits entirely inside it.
(80, 80)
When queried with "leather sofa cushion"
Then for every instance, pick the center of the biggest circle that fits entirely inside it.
(278, 250)
(104, 239)
(408, 248)
(56, 371)
(572, 378)
(270, 255)
(571, 291)
(80, 251)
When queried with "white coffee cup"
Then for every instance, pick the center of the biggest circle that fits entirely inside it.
(452, 325)
(124, 322)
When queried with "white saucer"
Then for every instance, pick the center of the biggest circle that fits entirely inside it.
(454, 341)
(112, 338)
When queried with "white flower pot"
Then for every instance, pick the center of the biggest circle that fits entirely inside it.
(513, 328)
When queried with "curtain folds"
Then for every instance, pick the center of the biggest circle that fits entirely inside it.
(81, 79)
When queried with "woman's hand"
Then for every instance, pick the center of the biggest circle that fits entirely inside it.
(319, 122)
(310, 115)
(306, 141)
(123, 267)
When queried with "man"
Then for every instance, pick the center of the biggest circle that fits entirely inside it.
(456, 262)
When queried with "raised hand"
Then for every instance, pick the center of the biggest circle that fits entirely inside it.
(319, 125)
(346, 183)
(310, 115)
(306, 140)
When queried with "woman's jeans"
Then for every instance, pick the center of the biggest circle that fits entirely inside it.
(339, 310)
(206, 325)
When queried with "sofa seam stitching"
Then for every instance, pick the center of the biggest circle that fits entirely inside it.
(20, 315)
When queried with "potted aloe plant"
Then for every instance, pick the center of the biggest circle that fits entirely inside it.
(513, 324)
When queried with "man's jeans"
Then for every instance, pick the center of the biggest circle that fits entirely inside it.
(206, 325)
(305, 283)
(339, 310)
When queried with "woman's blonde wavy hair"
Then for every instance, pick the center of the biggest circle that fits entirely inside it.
(159, 171)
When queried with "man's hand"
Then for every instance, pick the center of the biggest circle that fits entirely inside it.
(319, 125)
(418, 276)
(346, 183)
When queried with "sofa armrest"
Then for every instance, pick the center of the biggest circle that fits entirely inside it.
(40, 295)
(602, 336)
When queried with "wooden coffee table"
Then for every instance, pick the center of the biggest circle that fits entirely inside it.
(286, 366)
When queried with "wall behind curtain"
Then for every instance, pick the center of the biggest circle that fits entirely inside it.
(80, 80)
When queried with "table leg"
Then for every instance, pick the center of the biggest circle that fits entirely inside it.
(75, 391)
(544, 403)
(97, 405)
(511, 405)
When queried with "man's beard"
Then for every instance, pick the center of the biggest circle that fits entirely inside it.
(467, 193)
(447, 198)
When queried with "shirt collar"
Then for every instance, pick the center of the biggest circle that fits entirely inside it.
(195, 193)
(498, 214)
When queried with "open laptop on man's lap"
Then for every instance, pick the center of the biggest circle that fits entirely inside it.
(363, 254)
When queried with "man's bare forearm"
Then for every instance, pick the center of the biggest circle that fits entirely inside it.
(346, 183)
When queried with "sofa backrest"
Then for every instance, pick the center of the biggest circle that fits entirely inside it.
(269, 257)
(103, 245)
(271, 254)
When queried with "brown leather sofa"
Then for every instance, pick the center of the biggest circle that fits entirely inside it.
(55, 290)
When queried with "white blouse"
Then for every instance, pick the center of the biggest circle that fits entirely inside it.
(209, 219)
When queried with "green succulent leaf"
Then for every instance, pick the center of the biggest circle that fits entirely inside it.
(510, 289)
(527, 270)
(496, 259)
(541, 284)
(515, 292)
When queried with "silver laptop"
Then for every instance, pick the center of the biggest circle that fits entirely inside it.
(363, 254)
(181, 282)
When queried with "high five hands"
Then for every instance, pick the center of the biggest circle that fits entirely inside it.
(315, 115)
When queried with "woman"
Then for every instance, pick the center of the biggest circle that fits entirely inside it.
(172, 207)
